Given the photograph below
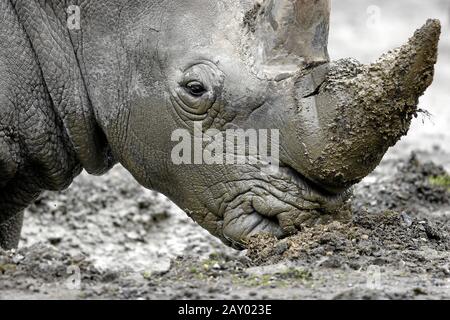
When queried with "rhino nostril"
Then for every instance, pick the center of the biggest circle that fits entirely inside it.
(315, 92)
(315, 64)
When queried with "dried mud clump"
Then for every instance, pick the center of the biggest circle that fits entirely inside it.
(251, 16)
(368, 239)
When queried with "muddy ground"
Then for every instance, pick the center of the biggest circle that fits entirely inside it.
(107, 237)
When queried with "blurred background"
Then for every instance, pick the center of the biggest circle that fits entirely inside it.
(365, 29)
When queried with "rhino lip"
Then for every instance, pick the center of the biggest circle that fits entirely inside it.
(329, 198)
(280, 209)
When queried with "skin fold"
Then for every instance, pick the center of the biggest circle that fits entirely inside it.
(116, 89)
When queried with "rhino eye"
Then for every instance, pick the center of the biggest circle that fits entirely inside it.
(195, 88)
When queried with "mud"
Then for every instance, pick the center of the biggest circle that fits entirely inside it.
(402, 238)
(370, 239)
(366, 109)
(250, 17)
(109, 238)
(418, 188)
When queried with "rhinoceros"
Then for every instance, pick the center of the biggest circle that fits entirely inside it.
(113, 86)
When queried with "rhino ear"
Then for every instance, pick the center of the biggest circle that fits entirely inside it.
(293, 32)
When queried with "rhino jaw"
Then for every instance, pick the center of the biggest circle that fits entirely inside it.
(353, 113)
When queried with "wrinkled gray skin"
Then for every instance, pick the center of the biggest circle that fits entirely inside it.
(115, 91)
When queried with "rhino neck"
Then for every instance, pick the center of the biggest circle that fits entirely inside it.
(58, 58)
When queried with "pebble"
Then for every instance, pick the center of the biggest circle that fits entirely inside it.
(446, 270)
(281, 247)
(17, 258)
(133, 235)
(406, 219)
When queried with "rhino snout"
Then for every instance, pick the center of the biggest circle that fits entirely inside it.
(349, 114)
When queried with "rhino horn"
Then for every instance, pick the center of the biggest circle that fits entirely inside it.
(362, 110)
(293, 32)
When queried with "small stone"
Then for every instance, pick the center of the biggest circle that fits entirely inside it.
(406, 219)
(78, 257)
(281, 247)
(17, 258)
(445, 270)
(132, 235)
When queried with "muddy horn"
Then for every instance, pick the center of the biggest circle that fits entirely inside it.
(352, 113)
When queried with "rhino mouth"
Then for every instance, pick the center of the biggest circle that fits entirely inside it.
(315, 191)
(282, 205)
